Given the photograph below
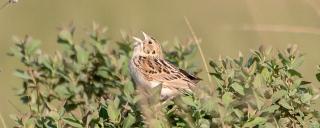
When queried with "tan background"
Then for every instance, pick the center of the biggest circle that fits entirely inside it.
(225, 27)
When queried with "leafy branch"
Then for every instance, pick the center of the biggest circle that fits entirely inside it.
(86, 84)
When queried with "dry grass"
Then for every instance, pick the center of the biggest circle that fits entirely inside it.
(2, 121)
(199, 47)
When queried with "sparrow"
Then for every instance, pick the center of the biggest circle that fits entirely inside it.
(148, 68)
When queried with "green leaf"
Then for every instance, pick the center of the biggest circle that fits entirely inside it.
(73, 122)
(116, 102)
(238, 112)
(295, 73)
(124, 46)
(238, 88)
(47, 63)
(63, 91)
(295, 84)
(32, 46)
(259, 100)
(283, 122)
(278, 95)
(103, 72)
(285, 104)
(29, 123)
(256, 121)
(129, 88)
(22, 74)
(297, 62)
(252, 68)
(204, 123)
(266, 74)
(191, 53)
(258, 81)
(284, 59)
(305, 82)
(82, 55)
(208, 104)
(271, 109)
(65, 36)
(113, 112)
(55, 115)
(306, 97)
(103, 113)
(15, 52)
(188, 100)
(318, 76)
(129, 121)
(227, 98)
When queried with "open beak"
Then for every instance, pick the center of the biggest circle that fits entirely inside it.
(137, 41)
(146, 37)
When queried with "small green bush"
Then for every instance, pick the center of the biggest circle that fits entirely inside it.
(87, 84)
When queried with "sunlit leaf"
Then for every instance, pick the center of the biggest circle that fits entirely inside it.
(256, 121)
(238, 88)
(295, 73)
(285, 104)
(271, 108)
(63, 91)
(32, 46)
(265, 74)
(297, 62)
(113, 112)
(259, 100)
(22, 74)
(82, 55)
(188, 100)
(227, 98)
(73, 122)
(278, 95)
(65, 36)
(129, 121)
(29, 123)
(239, 113)
(306, 97)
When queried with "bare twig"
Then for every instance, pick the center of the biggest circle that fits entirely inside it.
(199, 47)
(274, 119)
(2, 121)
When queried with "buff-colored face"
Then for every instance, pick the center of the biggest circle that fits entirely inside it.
(147, 47)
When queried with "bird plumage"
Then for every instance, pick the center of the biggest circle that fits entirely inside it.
(149, 68)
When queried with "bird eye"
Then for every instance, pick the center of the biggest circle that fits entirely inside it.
(150, 42)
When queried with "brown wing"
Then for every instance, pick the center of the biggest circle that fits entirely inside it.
(195, 79)
(156, 69)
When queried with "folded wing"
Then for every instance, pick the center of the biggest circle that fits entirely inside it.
(156, 69)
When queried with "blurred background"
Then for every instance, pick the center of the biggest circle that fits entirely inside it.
(225, 28)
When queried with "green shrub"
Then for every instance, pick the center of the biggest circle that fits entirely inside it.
(87, 84)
